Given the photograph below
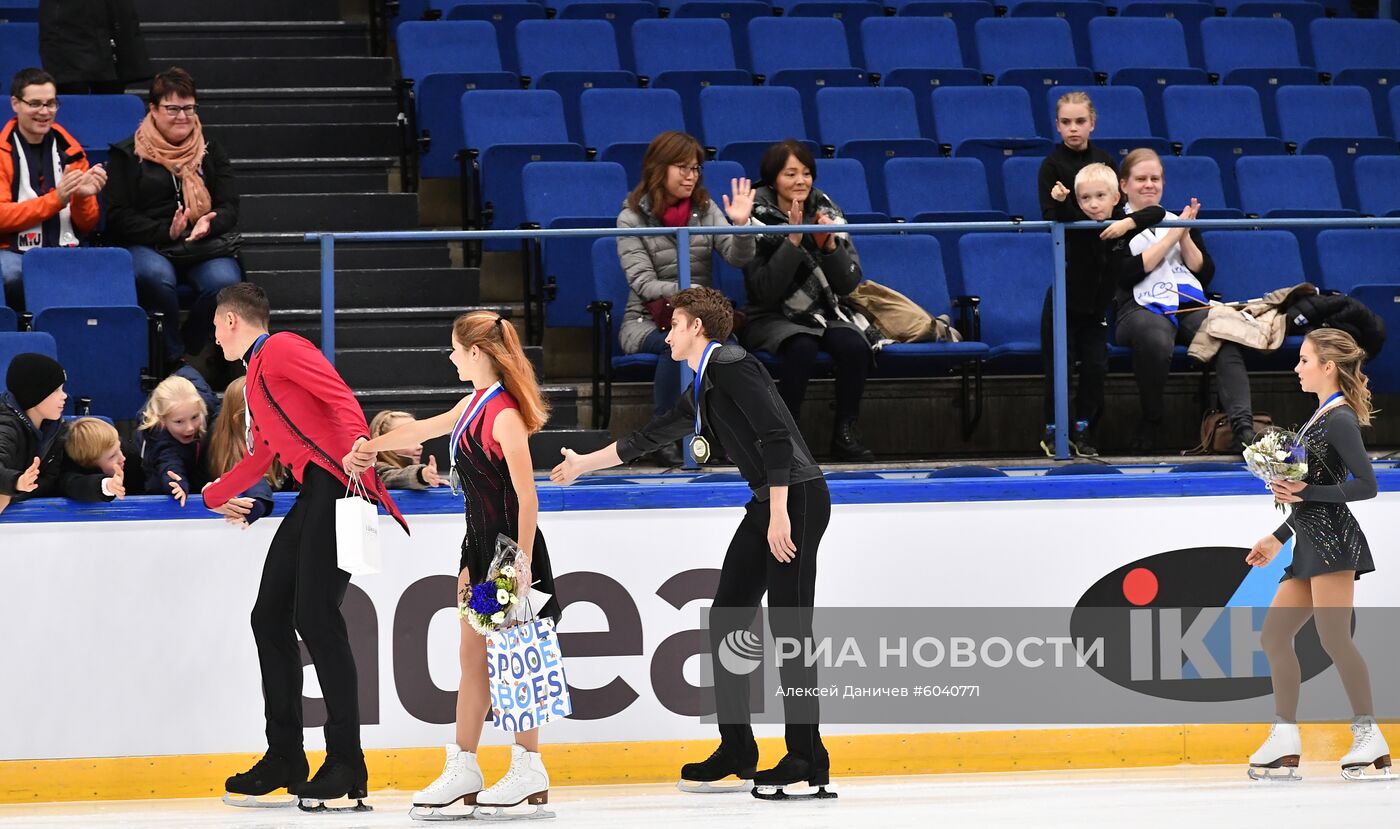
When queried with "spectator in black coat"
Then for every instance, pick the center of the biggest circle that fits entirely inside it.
(92, 45)
(32, 436)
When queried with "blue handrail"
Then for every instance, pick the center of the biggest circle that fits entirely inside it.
(328, 240)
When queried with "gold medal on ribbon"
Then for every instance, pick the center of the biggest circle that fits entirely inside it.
(699, 449)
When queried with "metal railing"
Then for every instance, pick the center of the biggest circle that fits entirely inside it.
(328, 240)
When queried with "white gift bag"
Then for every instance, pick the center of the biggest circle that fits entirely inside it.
(525, 670)
(357, 532)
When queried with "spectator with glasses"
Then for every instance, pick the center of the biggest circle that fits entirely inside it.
(48, 193)
(672, 194)
(172, 202)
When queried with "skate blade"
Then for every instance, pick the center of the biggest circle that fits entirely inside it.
(709, 787)
(502, 813)
(1358, 773)
(1283, 774)
(249, 801)
(307, 804)
(436, 813)
(778, 793)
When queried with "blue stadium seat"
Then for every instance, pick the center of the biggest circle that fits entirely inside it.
(19, 11)
(1301, 13)
(86, 298)
(99, 121)
(844, 180)
(687, 56)
(1145, 52)
(919, 54)
(563, 194)
(1189, 13)
(1032, 53)
(569, 56)
(9, 320)
(1378, 185)
(808, 54)
(26, 342)
(849, 13)
(967, 472)
(1290, 186)
(727, 113)
(1195, 177)
(610, 293)
(19, 47)
(502, 132)
(1021, 181)
(963, 13)
(620, 123)
(1335, 121)
(1077, 13)
(1084, 469)
(1394, 113)
(872, 125)
(1349, 257)
(1009, 272)
(943, 190)
(620, 14)
(1383, 370)
(1222, 122)
(1121, 125)
(989, 124)
(1251, 263)
(1258, 52)
(503, 16)
(443, 59)
(1360, 53)
(735, 14)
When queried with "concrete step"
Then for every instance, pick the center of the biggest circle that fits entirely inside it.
(372, 288)
(286, 104)
(288, 252)
(308, 140)
(297, 176)
(166, 11)
(319, 38)
(307, 212)
(264, 72)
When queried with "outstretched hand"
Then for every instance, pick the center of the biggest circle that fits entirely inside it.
(738, 206)
(116, 484)
(29, 479)
(568, 469)
(1059, 192)
(176, 491)
(431, 476)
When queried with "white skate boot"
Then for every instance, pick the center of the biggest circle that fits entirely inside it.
(525, 782)
(461, 780)
(1368, 748)
(1280, 751)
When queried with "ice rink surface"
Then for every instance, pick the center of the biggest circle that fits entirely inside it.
(1172, 798)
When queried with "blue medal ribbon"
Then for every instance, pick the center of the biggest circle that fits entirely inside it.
(699, 376)
(478, 403)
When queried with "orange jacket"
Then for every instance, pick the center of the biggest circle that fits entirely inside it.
(18, 216)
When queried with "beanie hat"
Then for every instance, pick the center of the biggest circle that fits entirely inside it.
(32, 378)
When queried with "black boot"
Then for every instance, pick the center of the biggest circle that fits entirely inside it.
(338, 777)
(1244, 436)
(734, 759)
(768, 784)
(274, 771)
(846, 445)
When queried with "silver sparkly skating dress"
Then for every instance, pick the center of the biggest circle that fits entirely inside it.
(1327, 537)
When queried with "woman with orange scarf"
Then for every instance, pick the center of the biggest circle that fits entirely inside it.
(172, 202)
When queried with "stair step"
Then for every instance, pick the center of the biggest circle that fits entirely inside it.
(398, 366)
(298, 105)
(546, 443)
(293, 176)
(223, 73)
(288, 252)
(321, 38)
(430, 400)
(162, 11)
(365, 288)
(309, 140)
(384, 330)
(307, 212)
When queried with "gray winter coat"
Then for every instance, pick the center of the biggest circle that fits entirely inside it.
(649, 263)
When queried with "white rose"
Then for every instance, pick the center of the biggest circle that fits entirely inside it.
(498, 618)
(502, 597)
(508, 571)
(513, 600)
(1281, 455)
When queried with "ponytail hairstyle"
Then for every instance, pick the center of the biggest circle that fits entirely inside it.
(228, 437)
(497, 339)
(383, 422)
(1336, 346)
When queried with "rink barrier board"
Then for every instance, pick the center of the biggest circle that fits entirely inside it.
(862, 755)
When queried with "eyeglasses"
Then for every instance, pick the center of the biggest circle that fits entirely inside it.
(689, 169)
(187, 109)
(51, 106)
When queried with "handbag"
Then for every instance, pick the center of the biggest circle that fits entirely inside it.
(183, 253)
(525, 669)
(1217, 438)
(357, 532)
(899, 317)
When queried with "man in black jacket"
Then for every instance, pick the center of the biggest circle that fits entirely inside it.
(733, 400)
(32, 435)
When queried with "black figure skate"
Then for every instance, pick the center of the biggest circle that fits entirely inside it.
(727, 761)
(274, 771)
(338, 777)
(772, 783)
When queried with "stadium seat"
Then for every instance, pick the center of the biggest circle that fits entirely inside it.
(943, 190)
(620, 14)
(1021, 181)
(808, 54)
(872, 125)
(1257, 52)
(1288, 186)
(99, 121)
(686, 56)
(727, 113)
(1378, 185)
(919, 54)
(86, 298)
(1121, 125)
(1032, 53)
(1301, 13)
(1145, 52)
(610, 293)
(1383, 370)
(1360, 53)
(963, 13)
(19, 47)
(502, 132)
(1195, 177)
(1009, 273)
(989, 124)
(849, 13)
(735, 15)
(620, 123)
(1222, 122)
(569, 56)
(843, 179)
(1189, 13)
(1335, 121)
(1251, 263)
(9, 320)
(440, 60)
(503, 16)
(1077, 13)
(1353, 256)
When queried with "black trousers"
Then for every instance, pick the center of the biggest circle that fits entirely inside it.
(1088, 346)
(301, 591)
(749, 571)
(849, 352)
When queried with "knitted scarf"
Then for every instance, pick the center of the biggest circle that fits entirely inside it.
(184, 161)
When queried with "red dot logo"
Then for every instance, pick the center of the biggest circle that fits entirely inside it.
(1140, 586)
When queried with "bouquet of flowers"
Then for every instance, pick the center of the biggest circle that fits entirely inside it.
(497, 601)
(1277, 455)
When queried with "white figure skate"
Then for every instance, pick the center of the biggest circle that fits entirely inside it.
(460, 780)
(1277, 758)
(1368, 748)
(526, 782)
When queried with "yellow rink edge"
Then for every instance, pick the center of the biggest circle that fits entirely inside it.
(1040, 749)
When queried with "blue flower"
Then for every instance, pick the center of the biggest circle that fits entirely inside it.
(483, 600)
